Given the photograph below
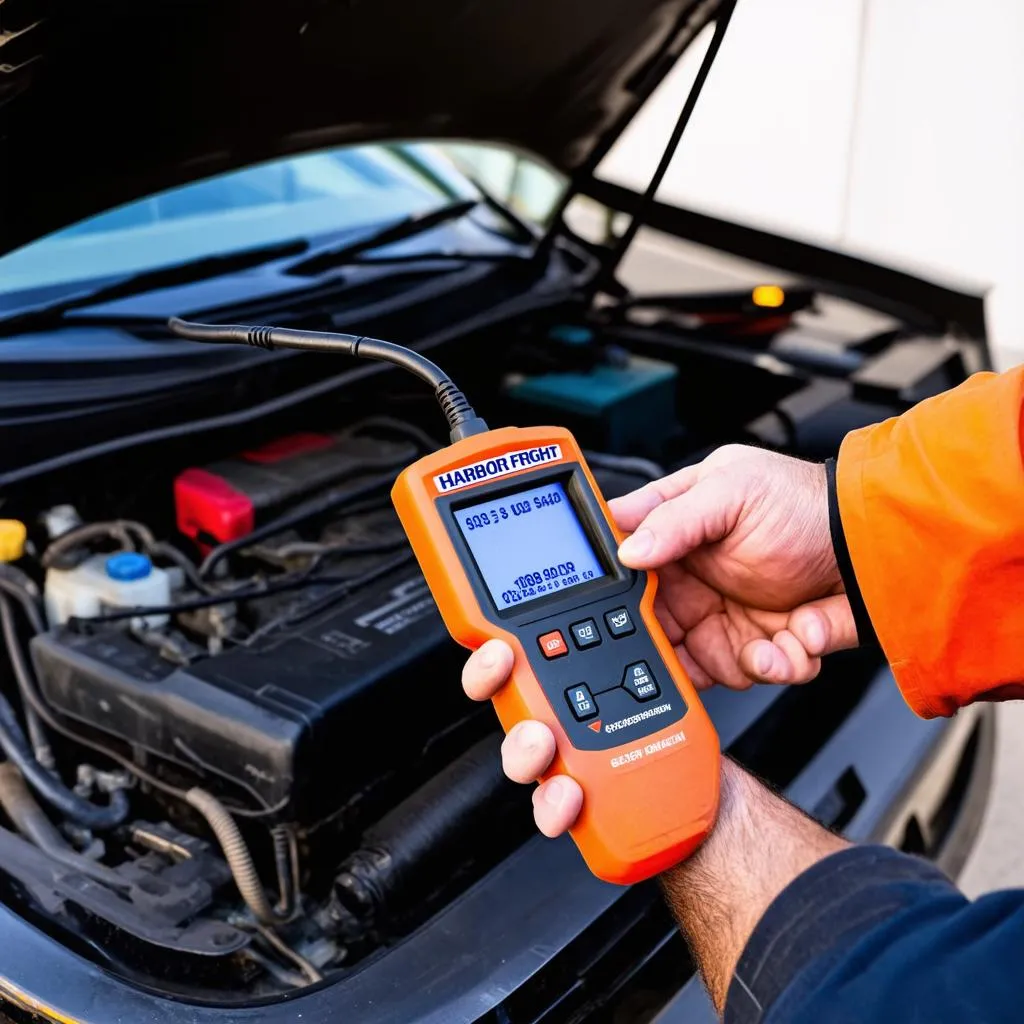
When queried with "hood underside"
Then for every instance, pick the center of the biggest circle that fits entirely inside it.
(105, 102)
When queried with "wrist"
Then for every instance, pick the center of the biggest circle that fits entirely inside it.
(760, 843)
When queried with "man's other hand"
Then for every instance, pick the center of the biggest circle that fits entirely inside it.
(749, 588)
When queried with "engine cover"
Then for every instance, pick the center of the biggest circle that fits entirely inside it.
(303, 718)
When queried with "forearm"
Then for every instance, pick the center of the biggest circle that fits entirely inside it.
(758, 846)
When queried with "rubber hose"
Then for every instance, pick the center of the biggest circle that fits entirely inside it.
(68, 804)
(119, 530)
(28, 818)
(14, 582)
(400, 856)
(236, 853)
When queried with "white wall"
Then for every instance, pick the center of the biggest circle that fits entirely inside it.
(890, 128)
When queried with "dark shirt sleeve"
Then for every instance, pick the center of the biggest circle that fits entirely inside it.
(872, 936)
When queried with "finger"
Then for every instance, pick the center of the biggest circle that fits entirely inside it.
(766, 662)
(527, 751)
(486, 669)
(556, 805)
(824, 626)
(700, 679)
(805, 666)
(631, 509)
(711, 647)
(795, 665)
(703, 514)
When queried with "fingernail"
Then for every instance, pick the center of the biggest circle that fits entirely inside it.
(815, 633)
(528, 735)
(639, 545)
(488, 656)
(553, 793)
(763, 659)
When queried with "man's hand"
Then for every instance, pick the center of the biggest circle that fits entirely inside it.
(757, 847)
(749, 588)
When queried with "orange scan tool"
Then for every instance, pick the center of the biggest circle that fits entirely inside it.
(516, 542)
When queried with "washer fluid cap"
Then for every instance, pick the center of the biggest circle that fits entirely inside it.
(128, 565)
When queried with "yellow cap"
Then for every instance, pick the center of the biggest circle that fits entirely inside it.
(12, 540)
(769, 296)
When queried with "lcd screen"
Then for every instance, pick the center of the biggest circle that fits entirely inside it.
(529, 544)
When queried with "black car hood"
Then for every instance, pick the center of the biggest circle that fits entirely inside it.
(104, 102)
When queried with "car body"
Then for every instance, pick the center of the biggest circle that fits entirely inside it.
(204, 158)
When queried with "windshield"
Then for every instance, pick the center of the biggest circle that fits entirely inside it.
(300, 197)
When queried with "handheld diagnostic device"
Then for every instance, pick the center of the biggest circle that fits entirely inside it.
(516, 542)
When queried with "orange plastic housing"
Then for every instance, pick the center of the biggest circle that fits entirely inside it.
(642, 812)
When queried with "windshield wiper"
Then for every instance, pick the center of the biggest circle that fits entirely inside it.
(331, 256)
(50, 314)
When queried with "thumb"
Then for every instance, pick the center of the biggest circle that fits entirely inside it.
(824, 626)
(702, 515)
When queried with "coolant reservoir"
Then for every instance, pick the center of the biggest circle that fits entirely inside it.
(104, 582)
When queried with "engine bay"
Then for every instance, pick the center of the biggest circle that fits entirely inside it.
(239, 760)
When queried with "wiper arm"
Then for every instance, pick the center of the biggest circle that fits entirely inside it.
(49, 314)
(332, 256)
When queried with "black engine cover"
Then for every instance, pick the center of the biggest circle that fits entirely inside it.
(303, 718)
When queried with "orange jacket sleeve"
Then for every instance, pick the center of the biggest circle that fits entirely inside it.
(932, 508)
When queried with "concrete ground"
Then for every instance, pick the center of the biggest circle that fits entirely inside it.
(997, 860)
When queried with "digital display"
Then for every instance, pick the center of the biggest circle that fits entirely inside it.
(529, 544)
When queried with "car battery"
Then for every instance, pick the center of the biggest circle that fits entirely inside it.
(227, 499)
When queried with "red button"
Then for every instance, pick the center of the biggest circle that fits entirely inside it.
(553, 645)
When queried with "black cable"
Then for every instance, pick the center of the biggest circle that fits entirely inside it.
(314, 507)
(624, 241)
(344, 588)
(19, 753)
(462, 420)
(21, 587)
(194, 603)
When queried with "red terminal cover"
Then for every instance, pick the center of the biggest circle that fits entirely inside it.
(209, 508)
(222, 502)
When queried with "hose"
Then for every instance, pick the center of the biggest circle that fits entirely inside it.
(236, 853)
(18, 751)
(16, 583)
(120, 530)
(402, 855)
(273, 939)
(28, 818)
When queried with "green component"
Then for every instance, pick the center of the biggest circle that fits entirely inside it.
(619, 409)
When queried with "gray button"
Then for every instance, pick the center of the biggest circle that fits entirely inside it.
(640, 682)
(585, 634)
(619, 622)
(581, 702)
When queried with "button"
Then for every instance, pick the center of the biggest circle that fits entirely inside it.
(640, 682)
(585, 634)
(553, 645)
(619, 622)
(581, 702)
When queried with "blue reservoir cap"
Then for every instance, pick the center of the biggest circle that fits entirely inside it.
(128, 565)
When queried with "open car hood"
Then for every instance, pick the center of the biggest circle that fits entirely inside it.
(102, 103)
